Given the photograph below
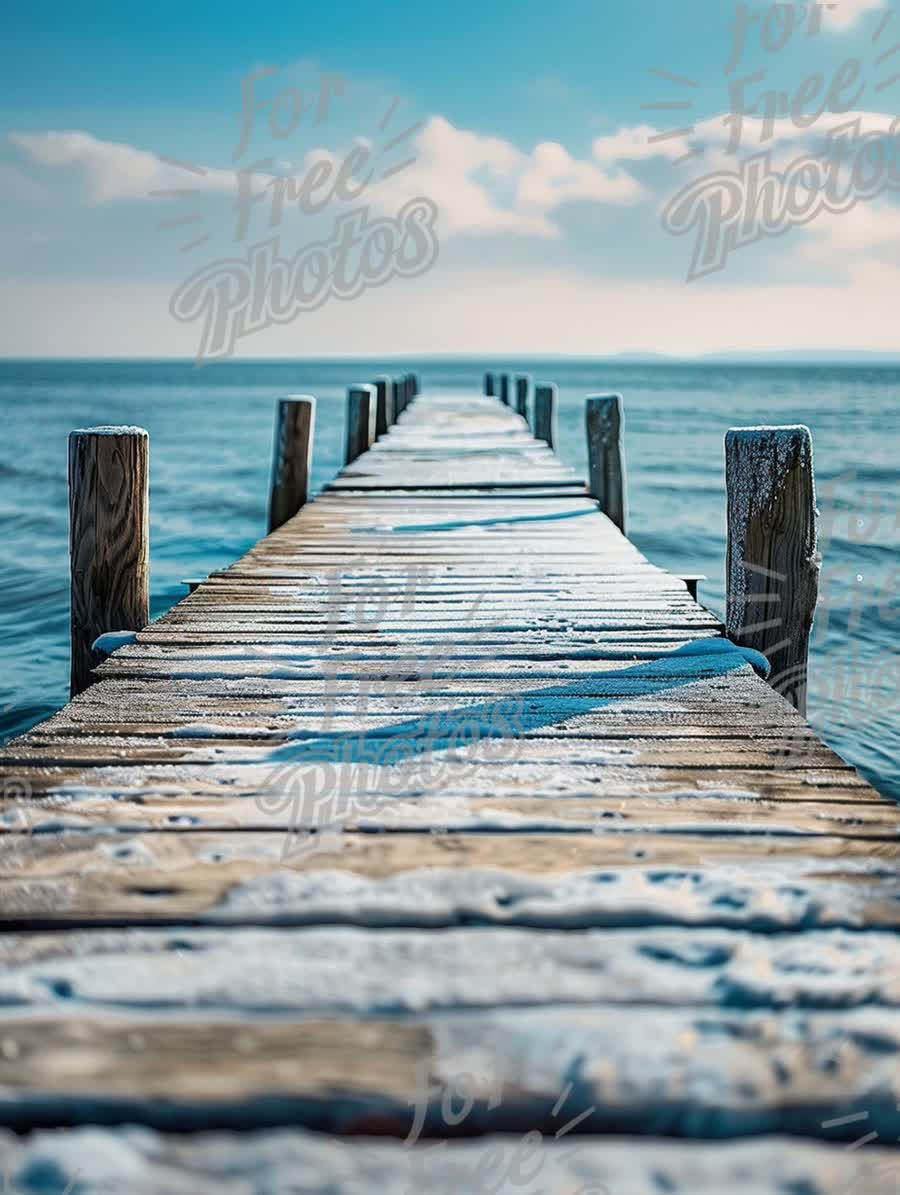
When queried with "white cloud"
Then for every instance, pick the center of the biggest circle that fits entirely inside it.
(482, 184)
(114, 171)
(711, 139)
(485, 185)
(841, 15)
(633, 144)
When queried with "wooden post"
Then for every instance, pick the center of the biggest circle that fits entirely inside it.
(545, 414)
(295, 422)
(109, 539)
(401, 396)
(772, 562)
(606, 456)
(414, 385)
(692, 581)
(384, 413)
(361, 404)
(522, 384)
(504, 389)
(489, 384)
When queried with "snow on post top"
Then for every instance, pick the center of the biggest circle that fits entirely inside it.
(109, 430)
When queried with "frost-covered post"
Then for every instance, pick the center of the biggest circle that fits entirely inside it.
(109, 539)
(522, 384)
(295, 422)
(384, 413)
(545, 414)
(504, 389)
(772, 568)
(489, 384)
(606, 456)
(361, 402)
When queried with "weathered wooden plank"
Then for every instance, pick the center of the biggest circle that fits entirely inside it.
(725, 812)
(337, 971)
(557, 881)
(657, 832)
(698, 1072)
(271, 1161)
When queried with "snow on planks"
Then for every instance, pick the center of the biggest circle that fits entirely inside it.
(444, 775)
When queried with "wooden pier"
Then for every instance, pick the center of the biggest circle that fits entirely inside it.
(444, 814)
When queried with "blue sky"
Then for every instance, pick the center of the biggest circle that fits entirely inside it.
(532, 141)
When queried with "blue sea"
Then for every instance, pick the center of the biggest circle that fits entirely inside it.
(211, 441)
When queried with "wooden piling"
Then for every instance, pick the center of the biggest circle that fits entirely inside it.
(489, 384)
(522, 387)
(772, 560)
(606, 456)
(292, 457)
(545, 414)
(109, 539)
(504, 389)
(692, 582)
(635, 747)
(361, 404)
(384, 413)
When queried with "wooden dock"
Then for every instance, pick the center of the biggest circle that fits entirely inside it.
(444, 814)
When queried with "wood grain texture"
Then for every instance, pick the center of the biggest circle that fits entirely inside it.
(384, 409)
(545, 415)
(179, 1164)
(606, 457)
(361, 414)
(523, 385)
(109, 540)
(295, 422)
(445, 768)
(772, 564)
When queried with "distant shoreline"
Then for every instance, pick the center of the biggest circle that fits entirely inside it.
(848, 357)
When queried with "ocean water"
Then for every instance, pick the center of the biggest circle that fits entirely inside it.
(211, 441)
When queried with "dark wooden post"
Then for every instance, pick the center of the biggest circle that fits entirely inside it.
(692, 581)
(504, 389)
(361, 404)
(606, 456)
(295, 422)
(545, 414)
(414, 385)
(384, 413)
(489, 384)
(522, 383)
(401, 396)
(109, 539)
(772, 560)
